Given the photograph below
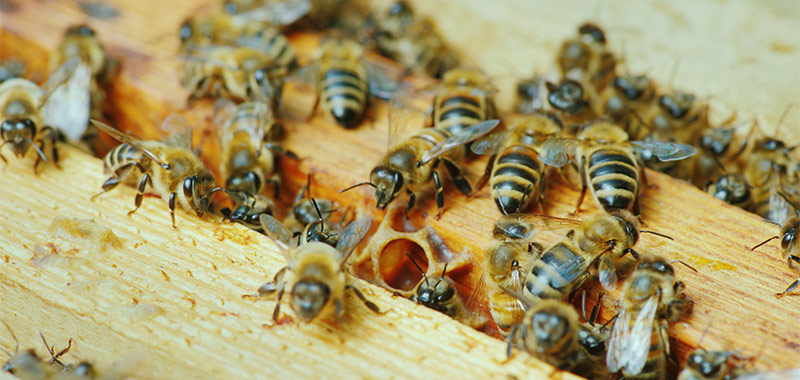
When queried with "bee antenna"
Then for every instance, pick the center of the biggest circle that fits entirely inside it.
(640, 118)
(500, 200)
(764, 242)
(608, 322)
(442, 276)
(307, 188)
(418, 268)
(684, 263)
(357, 185)
(16, 341)
(319, 215)
(716, 159)
(703, 335)
(783, 117)
(583, 308)
(41, 154)
(518, 296)
(657, 234)
(673, 73)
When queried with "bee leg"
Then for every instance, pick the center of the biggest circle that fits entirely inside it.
(458, 177)
(437, 183)
(53, 150)
(486, 175)
(510, 340)
(5, 161)
(114, 180)
(429, 122)
(140, 193)
(534, 246)
(314, 108)
(172, 197)
(791, 287)
(38, 158)
(275, 180)
(411, 200)
(583, 189)
(277, 311)
(363, 299)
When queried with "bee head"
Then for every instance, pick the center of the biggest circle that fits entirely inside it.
(529, 89)
(567, 96)
(677, 104)
(592, 32)
(306, 213)
(591, 342)
(788, 234)
(80, 30)
(632, 86)
(550, 326)
(198, 189)
(435, 291)
(502, 261)
(708, 364)
(248, 182)
(309, 298)
(187, 31)
(85, 369)
(769, 144)
(716, 140)
(19, 133)
(399, 8)
(388, 183)
(656, 264)
(630, 224)
(26, 360)
(731, 188)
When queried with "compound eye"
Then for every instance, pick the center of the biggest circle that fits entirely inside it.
(787, 239)
(186, 31)
(188, 187)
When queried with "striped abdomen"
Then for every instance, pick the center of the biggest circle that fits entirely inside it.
(428, 137)
(273, 43)
(556, 273)
(516, 178)
(655, 367)
(456, 112)
(507, 311)
(122, 155)
(614, 177)
(344, 90)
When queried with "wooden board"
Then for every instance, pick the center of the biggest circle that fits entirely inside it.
(733, 289)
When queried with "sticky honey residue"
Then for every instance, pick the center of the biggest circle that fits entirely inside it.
(703, 263)
(94, 237)
(781, 47)
(234, 235)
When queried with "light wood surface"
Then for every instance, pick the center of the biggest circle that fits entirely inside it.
(733, 289)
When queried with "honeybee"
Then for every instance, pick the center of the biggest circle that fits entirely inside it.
(530, 95)
(517, 175)
(413, 162)
(412, 41)
(464, 97)
(570, 100)
(608, 162)
(712, 365)
(169, 166)
(768, 172)
(304, 211)
(315, 274)
(550, 332)
(678, 115)
(248, 208)
(319, 230)
(789, 247)
(506, 262)
(319, 13)
(587, 57)
(236, 72)
(628, 96)
(731, 188)
(651, 299)
(22, 123)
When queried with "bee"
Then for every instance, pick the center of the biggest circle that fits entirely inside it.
(607, 161)
(506, 262)
(678, 115)
(235, 72)
(169, 166)
(731, 188)
(597, 245)
(587, 57)
(530, 95)
(626, 98)
(767, 170)
(570, 99)
(712, 365)
(22, 123)
(248, 208)
(413, 162)
(320, 229)
(315, 274)
(651, 299)
(411, 40)
(790, 248)
(517, 175)
(464, 98)
(550, 332)
(306, 210)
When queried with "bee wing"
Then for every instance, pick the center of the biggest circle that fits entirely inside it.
(381, 85)
(607, 274)
(666, 151)
(537, 223)
(630, 343)
(223, 112)
(283, 12)
(399, 116)
(556, 151)
(489, 143)
(176, 131)
(785, 374)
(351, 235)
(779, 209)
(276, 231)
(66, 103)
(472, 133)
(130, 140)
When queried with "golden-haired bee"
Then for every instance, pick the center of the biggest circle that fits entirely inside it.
(413, 162)
(305, 211)
(571, 101)
(587, 57)
(651, 299)
(550, 331)
(248, 208)
(717, 147)
(235, 72)
(712, 365)
(169, 166)
(628, 97)
(678, 115)
(439, 293)
(517, 176)
(790, 247)
(506, 263)
(531, 95)
(731, 188)
(464, 97)
(768, 172)
(607, 160)
(319, 230)
(315, 274)
(411, 40)
(22, 127)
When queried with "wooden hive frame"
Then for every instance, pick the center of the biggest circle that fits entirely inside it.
(170, 300)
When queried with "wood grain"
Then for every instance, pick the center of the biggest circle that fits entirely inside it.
(733, 289)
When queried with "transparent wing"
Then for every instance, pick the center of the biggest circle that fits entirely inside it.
(616, 356)
(533, 223)
(399, 117)
(640, 337)
(130, 140)
(176, 131)
(351, 236)
(785, 374)
(472, 133)
(479, 295)
(283, 12)
(607, 274)
(666, 151)
(380, 85)
(489, 144)
(276, 230)
(224, 110)
(66, 103)
(779, 209)
(556, 151)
